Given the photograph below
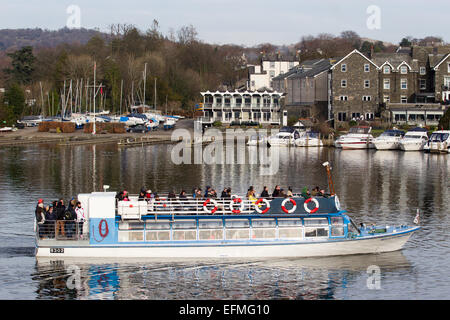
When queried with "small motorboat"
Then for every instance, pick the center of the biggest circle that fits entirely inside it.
(285, 137)
(414, 140)
(389, 140)
(358, 137)
(309, 139)
(439, 142)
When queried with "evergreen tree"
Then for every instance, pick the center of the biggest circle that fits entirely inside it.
(15, 100)
(22, 65)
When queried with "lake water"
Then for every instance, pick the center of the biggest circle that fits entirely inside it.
(373, 186)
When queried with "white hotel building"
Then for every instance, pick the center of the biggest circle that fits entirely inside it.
(262, 107)
(260, 76)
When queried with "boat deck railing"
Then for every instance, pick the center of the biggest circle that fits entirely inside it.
(136, 208)
(69, 230)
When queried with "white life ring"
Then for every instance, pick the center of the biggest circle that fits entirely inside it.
(266, 202)
(236, 200)
(205, 206)
(337, 203)
(283, 205)
(316, 203)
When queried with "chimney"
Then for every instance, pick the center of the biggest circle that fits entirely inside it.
(371, 52)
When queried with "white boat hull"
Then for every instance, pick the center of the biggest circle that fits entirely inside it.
(386, 145)
(356, 145)
(411, 146)
(371, 244)
(308, 143)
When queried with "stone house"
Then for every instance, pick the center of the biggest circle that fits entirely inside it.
(354, 88)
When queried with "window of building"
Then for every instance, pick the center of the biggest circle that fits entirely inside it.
(423, 70)
(291, 64)
(272, 73)
(366, 98)
(343, 83)
(403, 99)
(272, 64)
(422, 84)
(343, 67)
(403, 84)
(366, 83)
(386, 69)
(253, 83)
(448, 67)
(343, 98)
(386, 84)
(356, 115)
(403, 69)
(369, 116)
(342, 116)
(366, 67)
(386, 99)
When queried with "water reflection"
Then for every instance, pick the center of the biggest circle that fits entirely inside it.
(374, 186)
(312, 278)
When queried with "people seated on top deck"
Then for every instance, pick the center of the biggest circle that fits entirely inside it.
(316, 192)
(289, 193)
(276, 192)
(142, 194)
(265, 193)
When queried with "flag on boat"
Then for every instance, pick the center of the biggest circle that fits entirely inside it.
(417, 218)
(199, 106)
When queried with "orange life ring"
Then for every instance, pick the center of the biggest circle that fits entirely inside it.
(236, 200)
(283, 205)
(205, 208)
(266, 202)
(316, 203)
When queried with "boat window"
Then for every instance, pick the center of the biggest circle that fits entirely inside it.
(439, 137)
(290, 233)
(131, 226)
(337, 221)
(289, 222)
(316, 221)
(125, 236)
(185, 224)
(316, 232)
(237, 234)
(337, 231)
(263, 223)
(241, 223)
(210, 224)
(210, 234)
(264, 233)
(184, 235)
(158, 225)
(157, 235)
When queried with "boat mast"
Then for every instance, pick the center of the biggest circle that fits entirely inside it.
(330, 180)
(95, 71)
(145, 78)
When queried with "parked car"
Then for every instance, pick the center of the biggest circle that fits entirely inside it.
(140, 128)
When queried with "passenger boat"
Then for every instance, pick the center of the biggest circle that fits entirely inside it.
(414, 140)
(358, 137)
(439, 142)
(389, 140)
(218, 228)
(309, 139)
(285, 137)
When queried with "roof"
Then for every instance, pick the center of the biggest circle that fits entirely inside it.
(442, 60)
(395, 60)
(354, 51)
(308, 68)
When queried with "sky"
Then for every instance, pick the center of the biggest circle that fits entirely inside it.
(242, 22)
